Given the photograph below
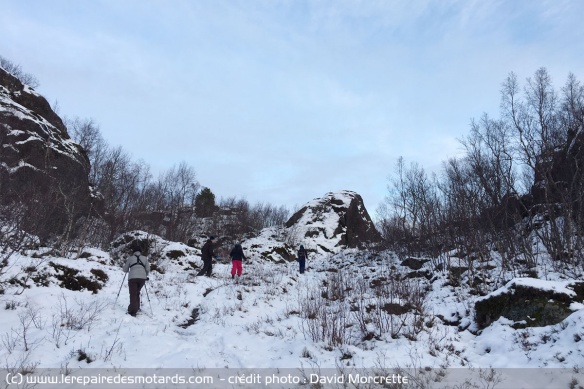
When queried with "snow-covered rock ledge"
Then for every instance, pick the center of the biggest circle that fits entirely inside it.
(530, 302)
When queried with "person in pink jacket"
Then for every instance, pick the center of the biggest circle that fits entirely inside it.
(237, 258)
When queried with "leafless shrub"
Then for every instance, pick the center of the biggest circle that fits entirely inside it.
(28, 319)
(16, 71)
(10, 341)
(13, 237)
(347, 309)
(82, 315)
(116, 346)
(11, 305)
(19, 365)
(325, 321)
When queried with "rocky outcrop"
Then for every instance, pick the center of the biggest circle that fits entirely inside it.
(529, 303)
(324, 226)
(270, 244)
(161, 253)
(335, 220)
(559, 172)
(39, 163)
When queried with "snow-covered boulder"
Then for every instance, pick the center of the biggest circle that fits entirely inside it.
(530, 302)
(336, 221)
(270, 244)
(162, 254)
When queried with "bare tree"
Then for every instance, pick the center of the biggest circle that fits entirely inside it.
(411, 210)
(16, 71)
(12, 235)
(521, 176)
(179, 187)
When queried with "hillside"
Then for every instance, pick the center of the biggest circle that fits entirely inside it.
(353, 311)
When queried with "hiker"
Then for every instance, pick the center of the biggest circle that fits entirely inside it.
(138, 267)
(302, 255)
(237, 258)
(207, 257)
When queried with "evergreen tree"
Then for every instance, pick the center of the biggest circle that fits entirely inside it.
(205, 203)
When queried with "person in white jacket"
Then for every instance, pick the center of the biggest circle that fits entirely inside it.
(138, 267)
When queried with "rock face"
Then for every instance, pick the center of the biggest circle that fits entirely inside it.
(529, 303)
(38, 160)
(335, 220)
(562, 168)
(324, 226)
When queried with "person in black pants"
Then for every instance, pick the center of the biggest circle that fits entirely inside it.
(207, 257)
(302, 255)
(137, 267)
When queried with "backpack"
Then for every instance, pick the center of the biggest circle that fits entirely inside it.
(301, 254)
(138, 262)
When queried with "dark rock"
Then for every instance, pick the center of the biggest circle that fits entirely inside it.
(39, 163)
(455, 322)
(278, 252)
(558, 172)
(534, 307)
(414, 263)
(396, 309)
(420, 274)
(339, 217)
(457, 272)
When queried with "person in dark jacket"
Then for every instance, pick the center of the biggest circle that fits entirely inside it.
(137, 267)
(207, 255)
(302, 255)
(237, 258)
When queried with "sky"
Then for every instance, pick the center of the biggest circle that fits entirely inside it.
(281, 101)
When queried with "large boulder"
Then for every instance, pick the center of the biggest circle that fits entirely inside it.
(271, 245)
(325, 226)
(335, 221)
(39, 163)
(530, 302)
(162, 254)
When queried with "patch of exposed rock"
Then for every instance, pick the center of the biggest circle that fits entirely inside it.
(529, 303)
(336, 220)
(39, 163)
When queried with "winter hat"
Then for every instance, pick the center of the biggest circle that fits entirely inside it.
(135, 246)
(301, 246)
(211, 237)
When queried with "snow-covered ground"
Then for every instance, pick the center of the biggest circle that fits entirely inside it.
(273, 321)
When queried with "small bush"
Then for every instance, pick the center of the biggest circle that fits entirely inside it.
(156, 268)
(11, 305)
(72, 280)
(41, 279)
(174, 254)
(100, 275)
(193, 319)
(82, 356)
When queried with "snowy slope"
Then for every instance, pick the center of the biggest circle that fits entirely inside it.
(261, 322)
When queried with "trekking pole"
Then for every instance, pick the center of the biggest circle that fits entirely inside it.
(148, 297)
(122, 284)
